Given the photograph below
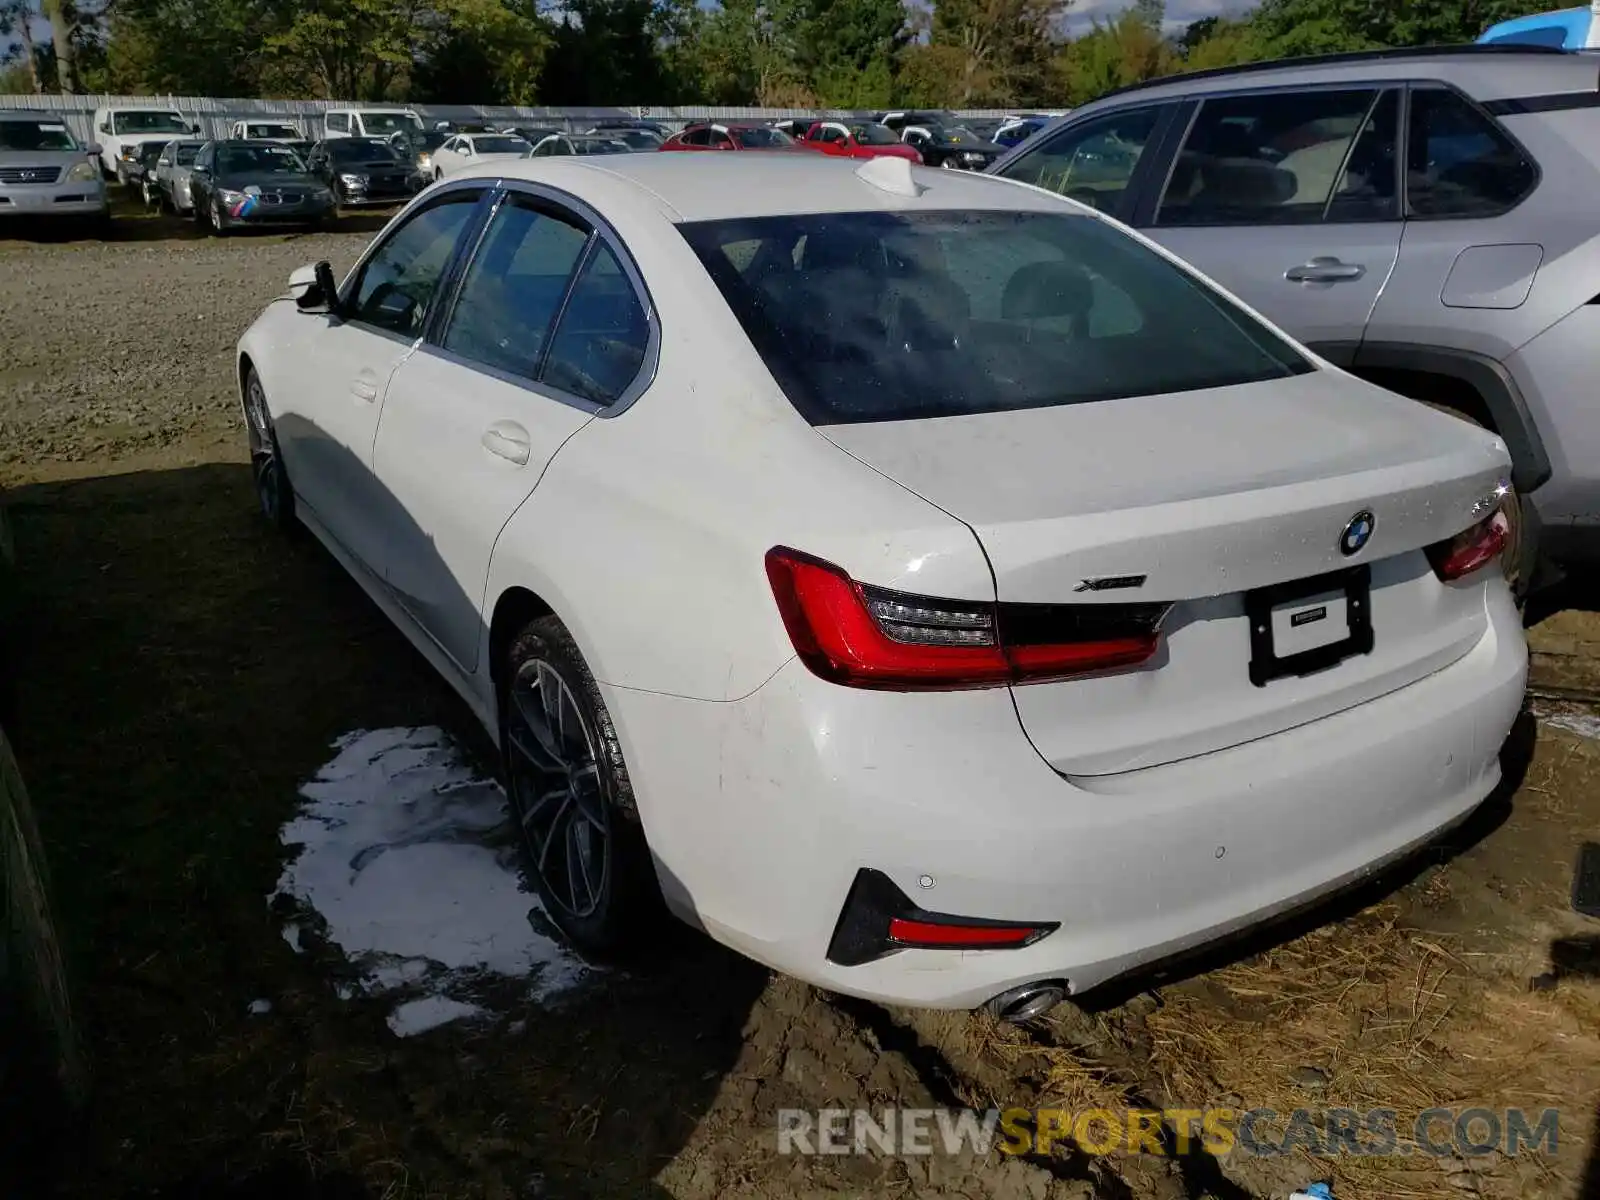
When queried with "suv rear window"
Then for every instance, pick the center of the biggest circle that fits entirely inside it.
(882, 316)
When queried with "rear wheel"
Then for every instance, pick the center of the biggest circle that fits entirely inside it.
(571, 797)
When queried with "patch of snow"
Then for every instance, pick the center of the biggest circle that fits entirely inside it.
(1583, 724)
(291, 934)
(260, 1008)
(429, 1012)
(397, 857)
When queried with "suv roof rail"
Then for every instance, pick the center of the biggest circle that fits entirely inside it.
(1471, 49)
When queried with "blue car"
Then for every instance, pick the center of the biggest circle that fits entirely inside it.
(1014, 133)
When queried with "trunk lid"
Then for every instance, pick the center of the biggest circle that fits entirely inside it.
(1209, 495)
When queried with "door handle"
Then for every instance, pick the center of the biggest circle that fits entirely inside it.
(1324, 270)
(362, 390)
(508, 440)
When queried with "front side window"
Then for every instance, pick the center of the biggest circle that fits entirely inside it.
(1092, 162)
(697, 137)
(1459, 163)
(873, 135)
(1283, 158)
(881, 316)
(397, 283)
(601, 342)
(513, 289)
(339, 122)
(383, 124)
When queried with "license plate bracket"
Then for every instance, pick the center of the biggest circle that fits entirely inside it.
(1355, 583)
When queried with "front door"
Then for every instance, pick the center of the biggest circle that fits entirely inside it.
(327, 421)
(1290, 200)
(475, 416)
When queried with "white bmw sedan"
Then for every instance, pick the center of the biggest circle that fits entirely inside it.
(914, 579)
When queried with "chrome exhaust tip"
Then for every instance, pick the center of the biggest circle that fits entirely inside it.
(1028, 1002)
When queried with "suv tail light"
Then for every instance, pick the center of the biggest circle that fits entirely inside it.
(868, 637)
(1470, 550)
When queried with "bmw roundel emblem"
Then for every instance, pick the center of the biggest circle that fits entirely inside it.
(1358, 532)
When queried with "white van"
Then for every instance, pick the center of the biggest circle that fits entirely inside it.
(369, 122)
(121, 131)
(266, 131)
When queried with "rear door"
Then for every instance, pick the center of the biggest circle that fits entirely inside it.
(547, 328)
(1290, 199)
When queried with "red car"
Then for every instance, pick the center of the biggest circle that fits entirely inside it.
(859, 139)
(731, 136)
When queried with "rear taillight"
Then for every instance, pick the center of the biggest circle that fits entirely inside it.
(1467, 552)
(869, 637)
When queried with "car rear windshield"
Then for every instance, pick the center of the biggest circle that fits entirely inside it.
(888, 316)
(250, 160)
(389, 122)
(500, 145)
(148, 122)
(360, 149)
(35, 135)
(874, 135)
(757, 138)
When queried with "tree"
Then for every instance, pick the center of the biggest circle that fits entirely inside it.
(63, 18)
(16, 18)
(846, 50)
(1128, 49)
(1003, 48)
(604, 52)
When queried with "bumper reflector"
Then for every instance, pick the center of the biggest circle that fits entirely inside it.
(879, 919)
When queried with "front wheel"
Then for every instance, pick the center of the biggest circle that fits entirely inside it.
(571, 797)
(273, 492)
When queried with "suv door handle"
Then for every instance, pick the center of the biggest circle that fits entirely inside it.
(508, 440)
(362, 390)
(1324, 270)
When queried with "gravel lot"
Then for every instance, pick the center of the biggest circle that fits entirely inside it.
(191, 671)
(120, 347)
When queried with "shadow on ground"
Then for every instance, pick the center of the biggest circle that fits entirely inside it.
(131, 223)
(185, 670)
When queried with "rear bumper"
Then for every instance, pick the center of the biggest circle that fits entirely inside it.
(762, 811)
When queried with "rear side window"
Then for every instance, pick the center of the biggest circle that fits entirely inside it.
(1459, 163)
(889, 316)
(604, 333)
(512, 292)
(1280, 158)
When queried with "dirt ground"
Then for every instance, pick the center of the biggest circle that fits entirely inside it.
(186, 671)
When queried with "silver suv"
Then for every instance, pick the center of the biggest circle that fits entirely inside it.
(1424, 218)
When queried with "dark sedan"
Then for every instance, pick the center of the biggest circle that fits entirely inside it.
(953, 146)
(238, 183)
(363, 171)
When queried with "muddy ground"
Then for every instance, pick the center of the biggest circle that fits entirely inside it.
(186, 671)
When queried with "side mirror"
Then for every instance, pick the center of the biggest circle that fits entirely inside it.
(195, 128)
(92, 150)
(314, 289)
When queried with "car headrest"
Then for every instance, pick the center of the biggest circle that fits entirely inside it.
(1047, 289)
(1244, 181)
(927, 312)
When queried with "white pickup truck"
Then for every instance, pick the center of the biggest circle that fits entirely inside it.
(121, 132)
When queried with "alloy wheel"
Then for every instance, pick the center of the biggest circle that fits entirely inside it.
(269, 479)
(556, 790)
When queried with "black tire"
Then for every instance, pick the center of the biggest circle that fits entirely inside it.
(578, 794)
(43, 1076)
(214, 218)
(274, 493)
